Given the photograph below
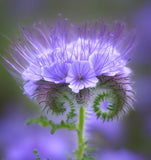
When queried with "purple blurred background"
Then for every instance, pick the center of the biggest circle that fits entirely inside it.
(129, 138)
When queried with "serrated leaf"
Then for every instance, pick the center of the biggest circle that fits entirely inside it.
(43, 121)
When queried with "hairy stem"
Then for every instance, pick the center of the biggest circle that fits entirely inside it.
(80, 134)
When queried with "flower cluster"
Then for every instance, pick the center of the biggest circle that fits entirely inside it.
(65, 58)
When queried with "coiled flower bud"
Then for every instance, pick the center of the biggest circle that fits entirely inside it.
(64, 65)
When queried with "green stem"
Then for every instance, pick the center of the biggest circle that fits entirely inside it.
(80, 134)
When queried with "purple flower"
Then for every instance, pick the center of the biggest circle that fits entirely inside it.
(107, 61)
(56, 73)
(17, 141)
(81, 76)
(119, 154)
(69, 58)
(113, 132)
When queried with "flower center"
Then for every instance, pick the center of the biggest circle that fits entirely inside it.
(80, 78)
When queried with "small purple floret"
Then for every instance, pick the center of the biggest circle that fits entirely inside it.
(56, 73)
(81, 76)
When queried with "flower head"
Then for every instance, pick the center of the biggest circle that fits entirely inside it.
(62, 58)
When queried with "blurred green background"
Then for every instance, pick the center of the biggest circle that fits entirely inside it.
(25, 12)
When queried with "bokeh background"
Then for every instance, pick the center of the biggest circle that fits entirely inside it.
(129, 138)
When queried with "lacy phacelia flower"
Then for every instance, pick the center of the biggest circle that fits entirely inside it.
(86, 64)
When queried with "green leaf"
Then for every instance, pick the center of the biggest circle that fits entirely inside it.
(35, 152)
(43, 121)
